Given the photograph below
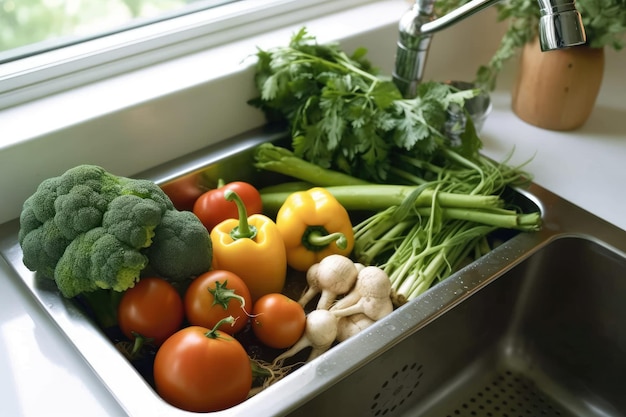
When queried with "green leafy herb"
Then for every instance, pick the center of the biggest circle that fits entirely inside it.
(343, 115)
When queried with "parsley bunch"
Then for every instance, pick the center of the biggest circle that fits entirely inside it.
(344, 116)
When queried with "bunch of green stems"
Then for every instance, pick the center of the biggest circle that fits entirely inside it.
(417, 251)
(418, 247)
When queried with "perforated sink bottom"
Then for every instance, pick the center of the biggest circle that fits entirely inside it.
(397, 390)
(499, 393)
(507, 395)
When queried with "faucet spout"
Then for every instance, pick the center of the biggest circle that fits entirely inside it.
(560, 26)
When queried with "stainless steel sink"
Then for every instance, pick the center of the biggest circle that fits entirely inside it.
(534, 328)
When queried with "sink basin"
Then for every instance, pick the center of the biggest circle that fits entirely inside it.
(533, 328)
(546, 338)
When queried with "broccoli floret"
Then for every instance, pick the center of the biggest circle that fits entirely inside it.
(72, 271)
(132, 220)
(181, 247)
(147, 190)
(97, 259)
(80, 210)
(92, 176)
(42, 202)
(44, 245)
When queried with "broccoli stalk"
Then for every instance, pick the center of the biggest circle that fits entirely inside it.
(102, 305)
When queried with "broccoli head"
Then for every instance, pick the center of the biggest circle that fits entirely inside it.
(89, 229)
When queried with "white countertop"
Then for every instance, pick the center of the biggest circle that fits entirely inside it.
(42, 375)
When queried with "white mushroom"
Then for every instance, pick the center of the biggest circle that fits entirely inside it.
(370, 295)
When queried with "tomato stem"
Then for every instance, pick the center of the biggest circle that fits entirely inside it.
(213, 332)
(222, 295)
(133, 351)
(139, 342)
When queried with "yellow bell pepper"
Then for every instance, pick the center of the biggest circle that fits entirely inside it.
(252, 248)
(313, 225)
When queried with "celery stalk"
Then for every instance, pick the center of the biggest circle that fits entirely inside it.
(374, 197)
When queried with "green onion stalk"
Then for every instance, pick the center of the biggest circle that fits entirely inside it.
(417, 250)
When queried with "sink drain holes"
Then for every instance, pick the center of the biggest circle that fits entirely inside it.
(396, 389)
(508, 395)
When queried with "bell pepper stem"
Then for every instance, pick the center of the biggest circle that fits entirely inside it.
(244, 230)
(318, 238)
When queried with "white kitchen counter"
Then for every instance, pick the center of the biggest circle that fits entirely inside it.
(42, 375)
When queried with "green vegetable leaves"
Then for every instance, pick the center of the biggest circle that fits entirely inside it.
(344, 116)
(605, 22)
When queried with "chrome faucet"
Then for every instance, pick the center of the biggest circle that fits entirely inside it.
(560, 26)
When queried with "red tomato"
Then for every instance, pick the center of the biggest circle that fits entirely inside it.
(278, 321)
(152, 308)
(215, 295)
(184, 191)
(201, 370)
(212, 208)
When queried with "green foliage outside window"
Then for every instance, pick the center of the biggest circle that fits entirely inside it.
(25, 22)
